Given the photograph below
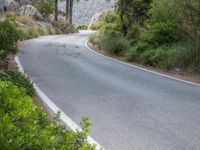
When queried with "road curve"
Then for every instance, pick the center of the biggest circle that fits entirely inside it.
(131, 109)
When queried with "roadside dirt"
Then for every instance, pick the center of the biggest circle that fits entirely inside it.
(192, 77)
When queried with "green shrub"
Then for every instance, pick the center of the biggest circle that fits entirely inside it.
(158, 57)
(114, 43)
(135, 52)
(3, 60)
(19, 79)
(93, 39)
(29, 33)
(133, 34)
(33, 32)
(9, 36)
(26, 126)
(132, 54)
(162, 58)
(164, 11)
(108, 18)
(82, 27)
(111, 17)
(45, 7)
(146, 57)
(161, 33)
(186, 55)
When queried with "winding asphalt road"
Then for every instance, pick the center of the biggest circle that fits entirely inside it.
(131, 109)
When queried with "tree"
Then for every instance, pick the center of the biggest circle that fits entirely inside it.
(67, 9)
(131, 11)
(71, 11)
(190, 17)
(56, 10)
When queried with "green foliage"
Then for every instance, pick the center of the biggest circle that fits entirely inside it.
(131, 12)
(155, 30)
(19, 79)
(159, 57)
(25, 126)
(164, 11)
(82, 27)
(133, 34)
(186, 55)
(106, 20)
(161, 33)
(134, 53)
(113, 42)
(92, 38)
(9, 36)
(45, 7)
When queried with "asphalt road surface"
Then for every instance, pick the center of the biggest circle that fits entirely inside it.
(130, 109)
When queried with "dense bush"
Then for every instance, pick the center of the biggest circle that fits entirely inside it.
(82, 27)
(164, 11)
(134, 53)
(158, 57)
(45, 7)
(154, 29)
(160, 33)
(113, 42)
(25, 126)
(19, 79)
(9, 36)
(133, 34)
(106, 20)
(186, 55)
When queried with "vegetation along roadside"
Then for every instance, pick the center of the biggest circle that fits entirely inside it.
(24, 124)
(159, 34)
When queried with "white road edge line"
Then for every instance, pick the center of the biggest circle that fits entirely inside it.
(160, 74)
(69, 122)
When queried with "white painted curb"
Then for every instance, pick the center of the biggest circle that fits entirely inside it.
(69, 122)
(160, 74)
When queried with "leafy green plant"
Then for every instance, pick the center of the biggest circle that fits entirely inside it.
(82, 27)
(45, 7)
(9, 36)
(131, 12)
(135, 52)
(161, 33)
(19, 79)
(186, 55)
(23, 125)
(157, 57)
(114, 43)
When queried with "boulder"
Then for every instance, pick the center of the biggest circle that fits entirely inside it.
(25, 2)
(61, 18)
(31, 11)
(8, 5)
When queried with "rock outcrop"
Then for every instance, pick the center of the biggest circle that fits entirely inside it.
(84, 10)
(29, 10)
(61, 18)
(8, 5)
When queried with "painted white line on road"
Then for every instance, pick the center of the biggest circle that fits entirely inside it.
(121, 62)
(69, 122)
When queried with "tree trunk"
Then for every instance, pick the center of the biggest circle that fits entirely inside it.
(71, 11)
(56, 10)
(67, 9)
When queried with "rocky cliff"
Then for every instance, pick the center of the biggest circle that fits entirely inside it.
(84, 10)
